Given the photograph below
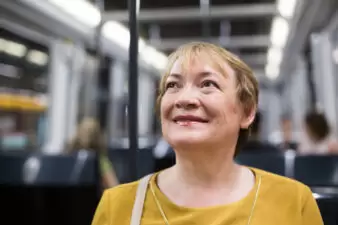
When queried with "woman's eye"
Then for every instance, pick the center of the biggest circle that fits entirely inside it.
(209, 83)
(171, 85)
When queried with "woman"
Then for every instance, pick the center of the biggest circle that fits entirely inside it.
(90, 137)
(317, 138)
(207, 101)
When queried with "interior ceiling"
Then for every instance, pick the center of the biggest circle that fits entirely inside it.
(241, 26)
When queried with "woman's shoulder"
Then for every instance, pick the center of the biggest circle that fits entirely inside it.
(294, 199)
(116, 204)
(119, 198)
(278, 185)
(122, 191)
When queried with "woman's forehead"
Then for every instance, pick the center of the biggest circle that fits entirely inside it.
(201, 61)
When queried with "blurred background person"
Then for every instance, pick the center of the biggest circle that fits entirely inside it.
(90, 137)
(317, 137)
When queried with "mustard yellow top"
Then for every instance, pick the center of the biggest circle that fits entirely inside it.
(281, 201)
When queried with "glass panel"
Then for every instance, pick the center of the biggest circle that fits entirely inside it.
(23, 90)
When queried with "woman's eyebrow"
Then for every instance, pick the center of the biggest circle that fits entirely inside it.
(175, 75)
(201, 74)
(210, 73)
(206, 74)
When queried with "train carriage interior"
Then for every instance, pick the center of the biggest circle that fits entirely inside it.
(76, 75)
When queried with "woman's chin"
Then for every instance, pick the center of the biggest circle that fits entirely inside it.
(180, 140)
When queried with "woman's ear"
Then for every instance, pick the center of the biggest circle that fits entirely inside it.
(248, 117)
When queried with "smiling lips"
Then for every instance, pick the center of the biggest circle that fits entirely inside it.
(187, 120)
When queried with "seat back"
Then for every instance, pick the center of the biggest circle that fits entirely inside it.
(317, 170)
(11, 167)
(120, 161)
(271, 162)
(51, 189)
(43, 170)
(328, 206)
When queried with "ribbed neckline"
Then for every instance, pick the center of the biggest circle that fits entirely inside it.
(167, 203)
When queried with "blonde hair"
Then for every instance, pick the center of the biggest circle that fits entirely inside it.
(247, 84)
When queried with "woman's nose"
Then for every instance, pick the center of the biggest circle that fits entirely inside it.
(188, 99)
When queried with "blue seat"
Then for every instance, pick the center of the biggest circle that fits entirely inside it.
(54, 170)
(317, 171)
(48, 170)
(271, 162)
(11, 167)
(328, 206)
(69, 170)
(120, 160)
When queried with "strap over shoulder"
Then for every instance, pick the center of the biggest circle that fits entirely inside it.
(139, 200)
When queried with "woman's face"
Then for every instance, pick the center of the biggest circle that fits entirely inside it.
(200, 105)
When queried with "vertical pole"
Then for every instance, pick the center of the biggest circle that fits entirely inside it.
(101, 66)
(205, 10)
(225, 32)
(103, 93)
(133, 6)
(154, 34)
(99, 54)
(310, 76)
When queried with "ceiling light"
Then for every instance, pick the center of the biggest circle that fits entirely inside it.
(279, 32)
(81, 10)
(272, 71)
(275, 56)
(154, 57)
(286, 8)
(2, 44)
(14, 49)
(117, 33)
(37, 57)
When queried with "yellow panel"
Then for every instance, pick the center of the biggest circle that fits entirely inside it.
(19, 102)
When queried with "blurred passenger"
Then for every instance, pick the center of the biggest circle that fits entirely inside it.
(317, 138)
(90, 137)
(254, 143)
(208, 99)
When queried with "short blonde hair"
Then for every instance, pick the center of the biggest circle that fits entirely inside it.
(247, 84)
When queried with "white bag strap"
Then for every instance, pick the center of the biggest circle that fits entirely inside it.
(139, 200)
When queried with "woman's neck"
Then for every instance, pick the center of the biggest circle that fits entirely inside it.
(205, 178)
(209, 168)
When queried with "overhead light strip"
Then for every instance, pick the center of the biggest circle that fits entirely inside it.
(86, 13)
(37, 57)
(12, 48)
(286, 8)
(279, 36)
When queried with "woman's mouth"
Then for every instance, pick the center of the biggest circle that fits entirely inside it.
(186, 120)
